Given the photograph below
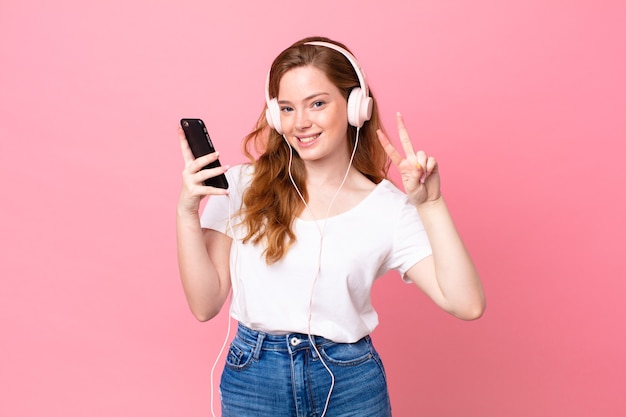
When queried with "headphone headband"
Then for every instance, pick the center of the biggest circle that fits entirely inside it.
(355, 64)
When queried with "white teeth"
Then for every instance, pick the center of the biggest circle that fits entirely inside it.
(309, 139)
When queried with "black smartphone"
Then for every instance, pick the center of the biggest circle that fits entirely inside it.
(200, 144)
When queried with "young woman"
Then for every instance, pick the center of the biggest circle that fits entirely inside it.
(302, 233)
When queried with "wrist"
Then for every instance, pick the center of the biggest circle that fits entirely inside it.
(183, 211)
(187, 206)
(431, 205)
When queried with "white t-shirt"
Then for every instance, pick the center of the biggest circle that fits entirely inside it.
(383, 232)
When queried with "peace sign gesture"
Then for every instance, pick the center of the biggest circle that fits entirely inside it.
(420, 173)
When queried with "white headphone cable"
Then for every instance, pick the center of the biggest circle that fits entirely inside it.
(319, 258)
(232, 295)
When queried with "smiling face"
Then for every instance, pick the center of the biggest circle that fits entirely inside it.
(313, 114)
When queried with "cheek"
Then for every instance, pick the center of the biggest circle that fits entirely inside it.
(340, 122)
(337, 119)
(285, 121)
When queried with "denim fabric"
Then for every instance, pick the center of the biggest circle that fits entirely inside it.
(282, 376)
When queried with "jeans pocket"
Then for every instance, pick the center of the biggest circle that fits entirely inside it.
(346, 354)
(239, 355)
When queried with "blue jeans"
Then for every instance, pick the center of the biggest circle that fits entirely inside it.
(282, 376)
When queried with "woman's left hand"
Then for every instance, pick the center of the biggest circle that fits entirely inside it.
(420, 173)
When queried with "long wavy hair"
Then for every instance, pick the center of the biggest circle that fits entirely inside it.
(271, 203)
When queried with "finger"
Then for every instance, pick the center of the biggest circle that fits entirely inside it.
(431, 164)
(405, 139)
(195, 181)
(422, 161)
(421, 158)
(197, 164)
(184, 147)
(420, 169)
(393, 154)
(430, 167)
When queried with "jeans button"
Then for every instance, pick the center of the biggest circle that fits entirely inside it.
(294, 341)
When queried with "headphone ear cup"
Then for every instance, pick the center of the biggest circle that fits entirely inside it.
(359, 107)
(272, 114)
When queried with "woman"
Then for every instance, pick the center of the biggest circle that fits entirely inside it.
(302, 233)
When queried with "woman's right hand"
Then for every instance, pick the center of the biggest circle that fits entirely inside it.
(193, 189)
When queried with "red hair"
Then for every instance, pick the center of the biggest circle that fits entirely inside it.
(271, 203)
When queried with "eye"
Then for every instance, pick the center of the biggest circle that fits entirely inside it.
(317, 104)
(286, 109)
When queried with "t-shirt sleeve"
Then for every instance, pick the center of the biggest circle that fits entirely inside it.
(410, 241)
(219, 210)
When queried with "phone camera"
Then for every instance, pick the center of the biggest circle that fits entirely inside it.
(186, 123)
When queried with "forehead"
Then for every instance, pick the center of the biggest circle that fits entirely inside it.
(301, 82)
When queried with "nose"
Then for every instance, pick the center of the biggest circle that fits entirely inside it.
(302, 120)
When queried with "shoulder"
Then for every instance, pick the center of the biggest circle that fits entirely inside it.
(240, 172)
(239, 176)
(392, 201)
(388, 191)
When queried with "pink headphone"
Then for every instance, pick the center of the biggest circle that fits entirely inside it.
(359, 102)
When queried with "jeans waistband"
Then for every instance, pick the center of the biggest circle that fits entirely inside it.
(285, 342)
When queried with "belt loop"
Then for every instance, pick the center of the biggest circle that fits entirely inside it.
(314, 347)
(259, 344)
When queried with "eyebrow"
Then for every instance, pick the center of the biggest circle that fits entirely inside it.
(312, 96)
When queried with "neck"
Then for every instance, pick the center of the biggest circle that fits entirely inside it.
(328, 172)
(331, 171)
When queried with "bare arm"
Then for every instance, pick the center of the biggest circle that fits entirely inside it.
(449, 276)
(203, 264)
(203, 255)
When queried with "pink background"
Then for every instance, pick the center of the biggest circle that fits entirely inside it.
(523, 103)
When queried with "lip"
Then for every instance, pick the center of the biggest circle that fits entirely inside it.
(307, 140)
